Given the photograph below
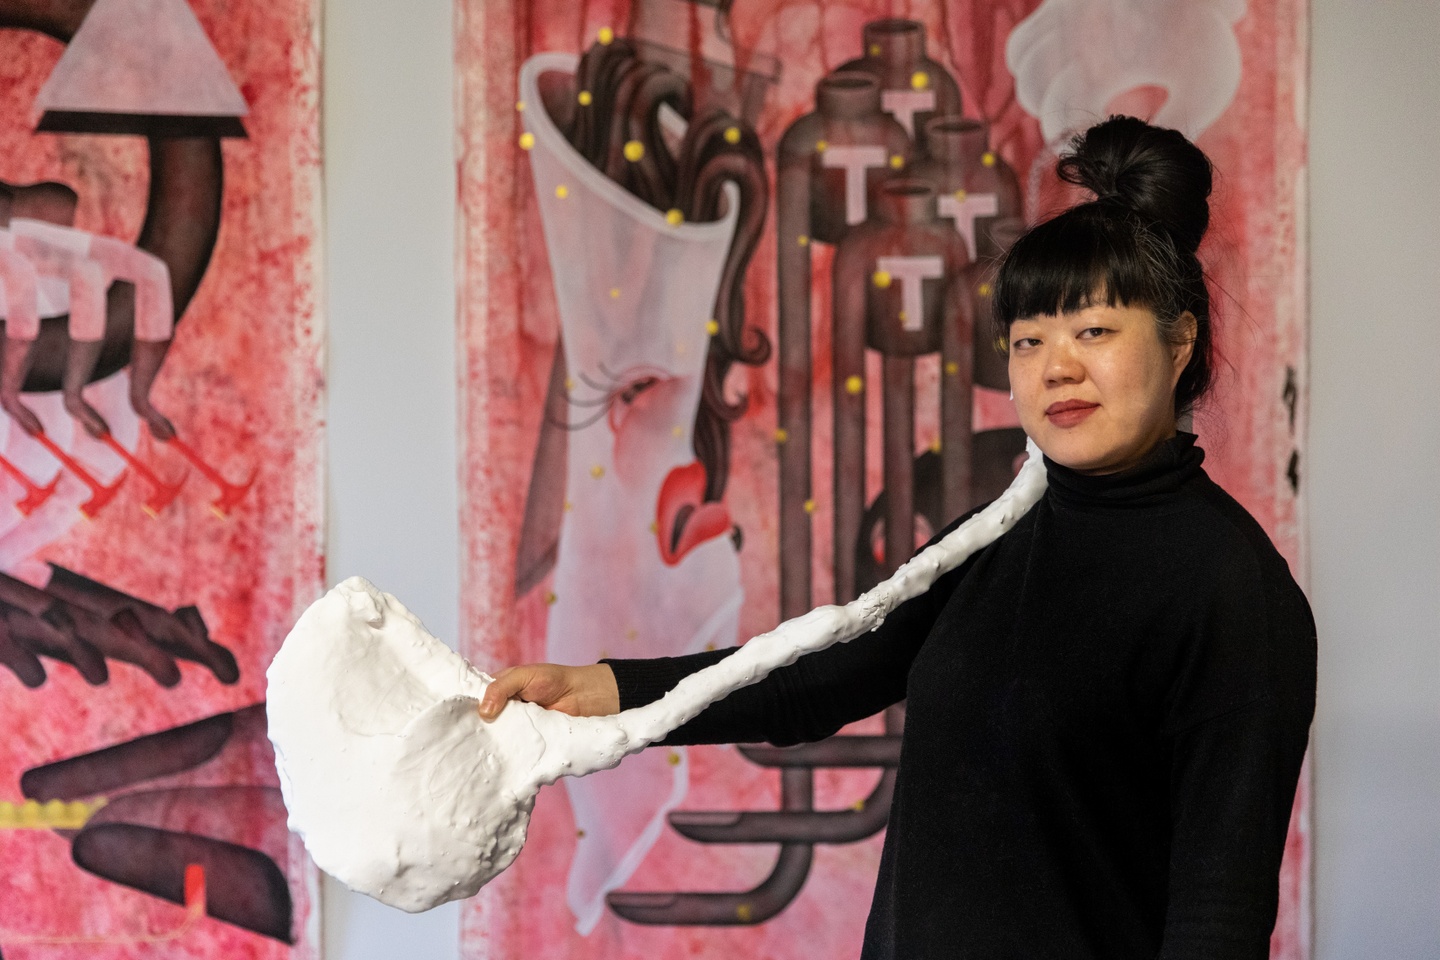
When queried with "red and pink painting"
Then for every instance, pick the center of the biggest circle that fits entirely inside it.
(701, 395)
(160, 473)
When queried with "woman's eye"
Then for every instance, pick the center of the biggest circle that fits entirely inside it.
(1023, 342)
(1093, 332)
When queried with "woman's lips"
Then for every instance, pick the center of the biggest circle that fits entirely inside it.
(1068, 413)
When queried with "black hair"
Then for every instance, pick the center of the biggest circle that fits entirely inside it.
(1133, 245)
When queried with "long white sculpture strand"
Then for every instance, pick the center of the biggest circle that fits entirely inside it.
(402, 792)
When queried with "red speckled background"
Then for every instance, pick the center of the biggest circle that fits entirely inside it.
(509, 324)
(244, 385)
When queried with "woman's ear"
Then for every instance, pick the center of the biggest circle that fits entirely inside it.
(1183, 343)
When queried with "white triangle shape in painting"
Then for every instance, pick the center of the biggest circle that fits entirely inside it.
(141, 58)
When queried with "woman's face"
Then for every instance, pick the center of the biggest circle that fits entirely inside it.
(1095, 388)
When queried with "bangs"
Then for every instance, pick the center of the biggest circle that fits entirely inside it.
(1085, 257)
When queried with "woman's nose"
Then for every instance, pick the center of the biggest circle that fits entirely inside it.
(1063, 366)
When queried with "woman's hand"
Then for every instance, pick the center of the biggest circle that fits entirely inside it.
(579, 691)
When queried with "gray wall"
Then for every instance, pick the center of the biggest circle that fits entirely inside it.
(1374, 429)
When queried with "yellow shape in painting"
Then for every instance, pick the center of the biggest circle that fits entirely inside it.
(743, 913)
(712, 327)
(569, 505)
(562, 191)
(606, 36)
(677, 431)
(952, 368)
(674, 217)
(781, 435)
(597, 471)
(854, 384)
(821, 146)
(527, 140)
(30, 815)
(935, 445)
(550, 597)
(8, 816)
(654, 526)
(614, 293)
(803, 240)
(673, 759)
(519, 106)
(634, 151)
(960, 196)
(585, 98)
(919, 79)
(809, 506)
(732, 135)
(874, 49)
(984, 290)
(858, 805)
(987, 158)
(579, 834)
(897, 162)
(881, 278)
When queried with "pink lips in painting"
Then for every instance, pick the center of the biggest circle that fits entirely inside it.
(683, 520)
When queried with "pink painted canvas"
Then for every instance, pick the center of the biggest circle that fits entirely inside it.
(672, 440)
(160, 482)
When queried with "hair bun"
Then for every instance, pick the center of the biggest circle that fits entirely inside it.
(1154, 171)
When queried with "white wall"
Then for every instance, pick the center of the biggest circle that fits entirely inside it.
(390, 215)
(1374, 459)
(1374, 427)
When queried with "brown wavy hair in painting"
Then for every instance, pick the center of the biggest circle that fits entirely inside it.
(626, 94)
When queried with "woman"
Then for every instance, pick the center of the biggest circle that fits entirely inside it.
(1107, 708)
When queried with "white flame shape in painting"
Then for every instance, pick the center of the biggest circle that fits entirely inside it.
(1072, 58)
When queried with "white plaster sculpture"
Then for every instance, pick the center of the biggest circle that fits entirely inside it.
(402, 792)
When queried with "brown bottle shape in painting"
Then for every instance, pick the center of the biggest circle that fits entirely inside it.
(974, 185)
(893, 292)
(913, 87)
(847, 146)
(992, 365)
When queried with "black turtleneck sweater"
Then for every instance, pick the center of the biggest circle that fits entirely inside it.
(1107, 709)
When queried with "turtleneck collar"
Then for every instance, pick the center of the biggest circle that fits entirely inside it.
(1152, 482)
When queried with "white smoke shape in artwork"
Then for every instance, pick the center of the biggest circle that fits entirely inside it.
(402, 792)
(1071, 58)
(635, 293)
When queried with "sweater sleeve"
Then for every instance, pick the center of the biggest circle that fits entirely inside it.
(813, 697)
(1234, 771)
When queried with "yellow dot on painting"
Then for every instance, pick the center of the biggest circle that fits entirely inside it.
(569, 505)
(987, 158)
(519, 106)
(562, 191)
(960, 196)
(634, 150)
(569, 384)
(919, 79)
(854, 383)
(674, 217)
(54, 812)
(585, 98)
(654, 526)
(903, 316)
(881, 278)
(527, 140)
(597, 471)
(709, 646)
(984, 290)
(732, 135)
(858, 805)
(7, 814)
(550, 597)
(821, 145)
(874, 49)
(632, 634)
(605, 36)
(614, 293)
(935, 445)
(579, 834)
(781, 435)
(896, 161)
(743, 913)
(712, 327)
(677, 431)
(809, 506)
(30, 813)
(803, 240)
(673, 759)
(78, 811)
(952, 369)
